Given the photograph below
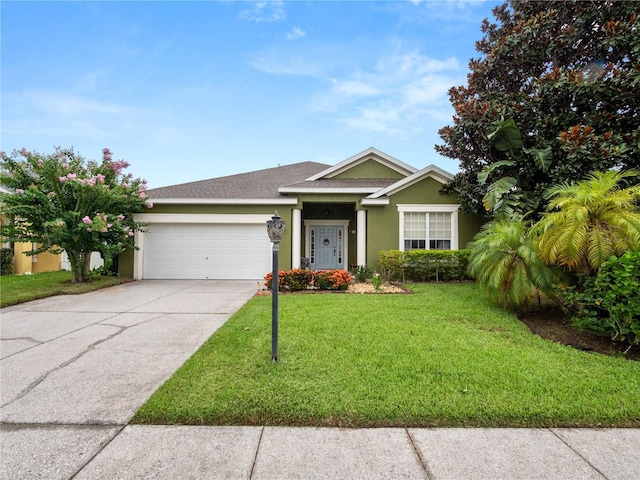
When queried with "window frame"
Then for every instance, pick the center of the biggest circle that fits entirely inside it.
(426, 209)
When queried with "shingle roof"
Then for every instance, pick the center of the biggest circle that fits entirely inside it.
(260, 184)
(374, 183)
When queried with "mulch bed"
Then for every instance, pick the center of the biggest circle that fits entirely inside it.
(554, 325)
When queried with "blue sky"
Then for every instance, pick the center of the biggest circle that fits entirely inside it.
(186, 91)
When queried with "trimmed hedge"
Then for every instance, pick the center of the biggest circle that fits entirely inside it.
(300, 279)
(424, 265)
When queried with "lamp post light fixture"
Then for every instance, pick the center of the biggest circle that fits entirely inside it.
(275, 230)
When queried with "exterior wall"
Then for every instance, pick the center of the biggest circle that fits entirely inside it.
(383, 222)
(370, 169)
(44, 262)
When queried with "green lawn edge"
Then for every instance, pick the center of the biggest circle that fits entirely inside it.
(16, 289)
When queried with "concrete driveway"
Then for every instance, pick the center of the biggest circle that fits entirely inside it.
(74, 369)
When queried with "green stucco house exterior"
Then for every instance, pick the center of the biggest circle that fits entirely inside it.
(336, 216)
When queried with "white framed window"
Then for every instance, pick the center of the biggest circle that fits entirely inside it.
(428, 227)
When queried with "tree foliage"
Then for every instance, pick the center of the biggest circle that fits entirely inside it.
(568, 74)
(590, 221)
(62, 202)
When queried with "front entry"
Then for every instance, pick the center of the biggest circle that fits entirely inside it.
(326, 247)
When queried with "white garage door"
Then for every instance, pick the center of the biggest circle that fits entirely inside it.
(195, 251)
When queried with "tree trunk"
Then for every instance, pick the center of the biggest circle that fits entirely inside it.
(80, 266)
(86, 266)
(75, 262)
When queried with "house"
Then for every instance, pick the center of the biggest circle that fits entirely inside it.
(337, 217)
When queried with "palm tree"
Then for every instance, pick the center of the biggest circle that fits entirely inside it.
(506, 266)
(590, 221)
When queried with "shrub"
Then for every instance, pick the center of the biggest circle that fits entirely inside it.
(362, 273)
(298, 279)
(610, 301)
(291, 280)
(424, 265)
(6, 261)
(332, 279)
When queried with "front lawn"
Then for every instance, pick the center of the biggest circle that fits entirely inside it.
(23, 288)
(443, 356)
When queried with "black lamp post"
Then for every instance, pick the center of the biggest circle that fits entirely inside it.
(275, 230)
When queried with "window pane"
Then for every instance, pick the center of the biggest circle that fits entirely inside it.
(440, 231)
(440, 244)
(415, 230)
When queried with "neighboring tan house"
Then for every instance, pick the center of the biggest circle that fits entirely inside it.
(336, 216)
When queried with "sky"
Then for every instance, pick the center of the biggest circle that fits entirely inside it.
(187, 91)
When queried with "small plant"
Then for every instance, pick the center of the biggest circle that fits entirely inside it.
(362, 272)
(376, 280)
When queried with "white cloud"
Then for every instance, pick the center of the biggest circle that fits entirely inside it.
(399, 94)
(354, 88)
(296, 33)
(265, 11)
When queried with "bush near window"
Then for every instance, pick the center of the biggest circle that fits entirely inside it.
(610, 301)
(6, 261)
(424, 265)
(299, 279)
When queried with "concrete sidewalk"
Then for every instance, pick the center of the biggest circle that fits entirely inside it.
(74, 369)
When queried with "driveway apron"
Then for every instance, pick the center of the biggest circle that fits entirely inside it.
(74, 369)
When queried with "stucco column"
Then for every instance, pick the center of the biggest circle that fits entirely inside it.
(361, 237)
(137, 255)
(296, 236)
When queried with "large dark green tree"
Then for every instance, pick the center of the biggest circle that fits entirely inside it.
(568, 74)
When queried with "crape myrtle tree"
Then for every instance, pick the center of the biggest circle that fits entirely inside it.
(62, 202)
(567, 73)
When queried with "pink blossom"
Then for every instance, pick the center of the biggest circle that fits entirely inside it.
(143, 195)
(100, 177)
(131, 234)
(87, 220)
(109, 225)
(24, 152)
(71, 176)
(120, 217)
(19, 190)
(40, 163)
(149, 204)
(62, 179)
(91, 182)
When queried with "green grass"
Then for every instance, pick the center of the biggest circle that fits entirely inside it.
(440, 357)
(23, 288)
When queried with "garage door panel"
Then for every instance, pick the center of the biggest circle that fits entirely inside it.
(200, 251)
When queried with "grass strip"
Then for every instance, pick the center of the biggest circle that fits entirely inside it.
(443, 356)
(16, 289)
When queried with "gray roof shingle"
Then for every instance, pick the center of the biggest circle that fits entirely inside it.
(260, 184)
